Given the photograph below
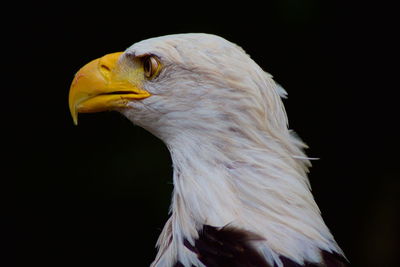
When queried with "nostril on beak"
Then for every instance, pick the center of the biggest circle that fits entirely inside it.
(105, 70)
(107, 63)
(104, 67)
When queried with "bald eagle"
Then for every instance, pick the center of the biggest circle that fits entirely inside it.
(241, 193)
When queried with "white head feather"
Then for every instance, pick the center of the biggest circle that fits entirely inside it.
(235, 161)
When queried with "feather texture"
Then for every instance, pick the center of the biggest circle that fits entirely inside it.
(227, 246)
(231, 247)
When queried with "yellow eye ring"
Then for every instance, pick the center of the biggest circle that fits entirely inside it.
(151, 66)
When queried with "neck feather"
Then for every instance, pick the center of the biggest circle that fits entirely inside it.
(258, 184)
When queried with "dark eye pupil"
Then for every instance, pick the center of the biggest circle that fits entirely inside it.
(150, 66)
(147, 67)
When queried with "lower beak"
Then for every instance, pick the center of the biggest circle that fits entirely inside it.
(100, 86)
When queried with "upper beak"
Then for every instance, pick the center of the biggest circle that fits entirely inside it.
(101, 85)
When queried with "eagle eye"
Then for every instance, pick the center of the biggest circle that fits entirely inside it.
(151, 66)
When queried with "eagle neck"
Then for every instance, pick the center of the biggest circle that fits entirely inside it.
(259, 186)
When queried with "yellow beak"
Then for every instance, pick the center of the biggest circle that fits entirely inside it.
(102, 85)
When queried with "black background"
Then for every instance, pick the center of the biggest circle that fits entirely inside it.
(98, 194)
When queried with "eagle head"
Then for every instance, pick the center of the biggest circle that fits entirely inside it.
(181, 83)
